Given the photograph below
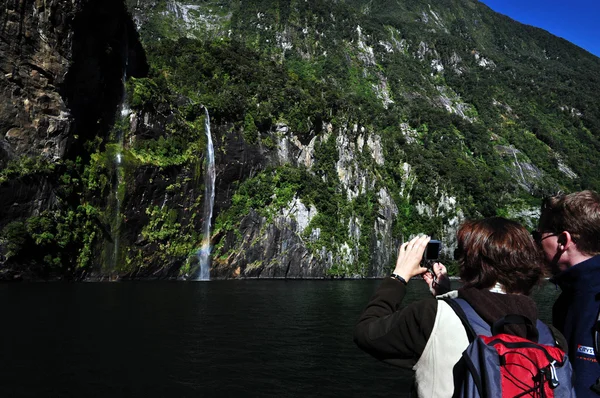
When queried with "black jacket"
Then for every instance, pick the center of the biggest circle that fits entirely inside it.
(574, 314)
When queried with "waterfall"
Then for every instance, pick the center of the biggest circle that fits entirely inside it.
(209, 201)
(519, 166)
(119, 179)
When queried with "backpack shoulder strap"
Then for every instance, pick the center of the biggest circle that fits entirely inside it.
(473, 323)
(545, 334)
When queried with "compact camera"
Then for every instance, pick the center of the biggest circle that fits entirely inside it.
(432, 252)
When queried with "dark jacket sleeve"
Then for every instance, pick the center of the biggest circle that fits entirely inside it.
(393, 334)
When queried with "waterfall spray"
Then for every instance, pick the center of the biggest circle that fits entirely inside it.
(209, 200)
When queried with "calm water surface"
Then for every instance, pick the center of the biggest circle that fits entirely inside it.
(207, 339)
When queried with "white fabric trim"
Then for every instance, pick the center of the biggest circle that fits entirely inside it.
(498, 288)
(448, 340)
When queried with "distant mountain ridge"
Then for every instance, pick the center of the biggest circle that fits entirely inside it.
(341, 128)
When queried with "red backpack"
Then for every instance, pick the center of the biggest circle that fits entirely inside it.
(497, 364)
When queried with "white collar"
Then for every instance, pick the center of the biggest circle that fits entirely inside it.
(498, 288)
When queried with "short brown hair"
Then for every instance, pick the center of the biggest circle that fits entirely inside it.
(577, 213)
(498, 250)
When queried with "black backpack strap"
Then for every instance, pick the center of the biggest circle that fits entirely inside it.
(473, 323)
(516, 319)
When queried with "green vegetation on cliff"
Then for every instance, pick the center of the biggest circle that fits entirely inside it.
(389, 119)
(496, 124)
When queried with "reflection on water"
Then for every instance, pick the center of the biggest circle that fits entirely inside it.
(221, 338)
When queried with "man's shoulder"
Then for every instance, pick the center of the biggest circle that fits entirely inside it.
(581, 277)
(591, 274)
(592, 262)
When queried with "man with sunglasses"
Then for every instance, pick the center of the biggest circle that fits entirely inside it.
(569, 234)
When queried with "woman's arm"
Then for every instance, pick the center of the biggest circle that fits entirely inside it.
(386, 331)
(391, 334)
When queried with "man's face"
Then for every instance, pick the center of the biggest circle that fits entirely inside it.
(549, 244)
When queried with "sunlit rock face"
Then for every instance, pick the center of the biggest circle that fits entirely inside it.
(287, 244)
(274, 249)
(385, 245)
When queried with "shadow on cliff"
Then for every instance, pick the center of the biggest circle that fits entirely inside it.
(106, 48)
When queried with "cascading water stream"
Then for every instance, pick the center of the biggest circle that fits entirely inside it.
(519, 166)
(209, 200)
(118, 180)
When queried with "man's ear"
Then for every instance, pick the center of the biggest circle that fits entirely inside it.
(565, 240)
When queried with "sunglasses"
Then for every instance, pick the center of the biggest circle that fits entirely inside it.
(538, 238)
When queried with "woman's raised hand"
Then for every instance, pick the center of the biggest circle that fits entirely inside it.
(439, 284)
(410, 256)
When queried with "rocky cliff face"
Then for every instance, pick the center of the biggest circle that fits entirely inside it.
(34, 119)
(62, 67)
(286, 245)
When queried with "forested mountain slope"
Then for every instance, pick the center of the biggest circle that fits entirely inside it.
(340, 129)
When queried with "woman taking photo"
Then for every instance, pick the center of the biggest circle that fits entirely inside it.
(499, 264)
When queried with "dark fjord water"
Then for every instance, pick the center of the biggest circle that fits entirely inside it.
(208, 339)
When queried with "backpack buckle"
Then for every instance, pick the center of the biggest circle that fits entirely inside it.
(552, 377)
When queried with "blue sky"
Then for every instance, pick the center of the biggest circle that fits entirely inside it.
(577, 21)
